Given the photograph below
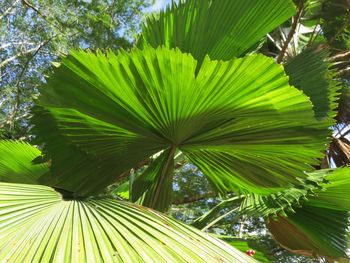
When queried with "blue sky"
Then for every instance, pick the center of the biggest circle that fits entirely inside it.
(158, 5)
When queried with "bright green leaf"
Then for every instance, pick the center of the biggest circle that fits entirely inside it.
(16, 162)
(334, 193)
(321, 225)
(239, 121)
(39, 225)
(222, 29)
(244, 245)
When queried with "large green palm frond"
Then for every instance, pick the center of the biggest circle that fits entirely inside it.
(310, 72)
(278, 203)
(313, 219)
(38, 225)
(262, 205)
(326, 188)
(334, 192)
(71, 165)
(323, 188)
(313, 231)
(321, 226)
(16, 162)
(222, 29)
(239, 121)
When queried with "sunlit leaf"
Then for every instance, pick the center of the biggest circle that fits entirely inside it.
(244, 246)
(16, 162)
(39, 225)
(239, 121)
(222, 29)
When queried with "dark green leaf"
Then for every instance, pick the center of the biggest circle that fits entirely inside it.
(155, 185)
(309, 72)
(313, 231)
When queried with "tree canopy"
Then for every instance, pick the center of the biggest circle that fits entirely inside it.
(34, 33)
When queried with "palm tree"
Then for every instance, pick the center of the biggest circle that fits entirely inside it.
(192, 86)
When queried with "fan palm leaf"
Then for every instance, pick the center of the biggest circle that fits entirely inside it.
(310, 72)
(311, 220)
(239, 121)
(320, 227)
(222, 29)
(38, 224)
(313, 231)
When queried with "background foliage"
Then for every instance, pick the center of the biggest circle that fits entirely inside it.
(33, 33)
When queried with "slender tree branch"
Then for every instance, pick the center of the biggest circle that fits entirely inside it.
(274, 42)
(211, 214)
(219, 219)
(340, 131)
(283, 36)
(195, 198)
(8, 10)
(340, 56)
(43, 16)
(26, 3)
(346, 133)
(313, 35)
(241, 227)
(291, 32)
(18, 93)
(6, 61)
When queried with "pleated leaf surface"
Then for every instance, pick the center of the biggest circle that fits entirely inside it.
(155, 185)
(309, 71)
(313, 231)
(222, 29)
(321, 225)
(239, 121)
(38, 225)
(16, 162)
